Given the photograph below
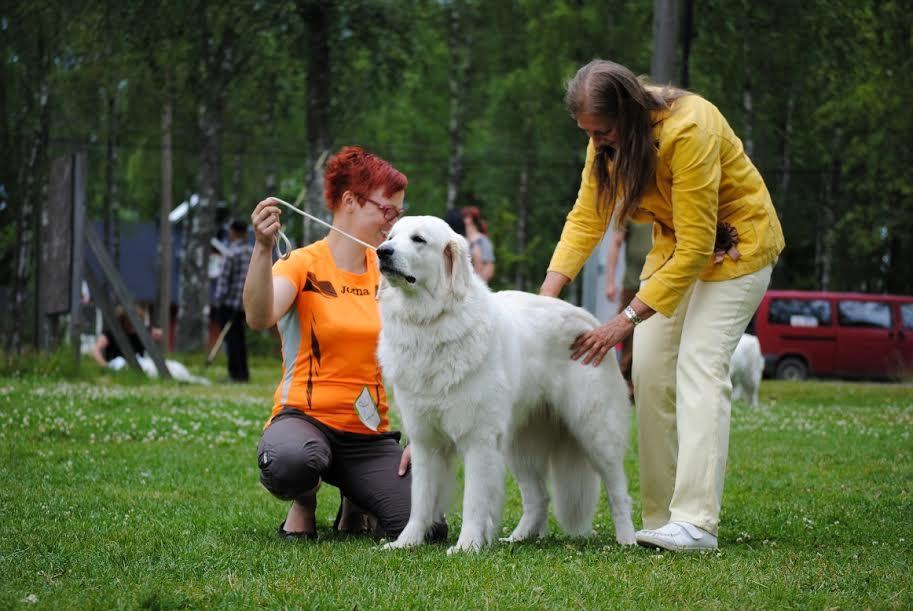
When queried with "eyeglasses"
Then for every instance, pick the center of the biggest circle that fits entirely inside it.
(391, 213)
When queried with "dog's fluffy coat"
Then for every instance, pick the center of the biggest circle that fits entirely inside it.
(487, 377)
(746, 369)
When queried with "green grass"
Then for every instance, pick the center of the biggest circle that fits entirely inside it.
(119, 492)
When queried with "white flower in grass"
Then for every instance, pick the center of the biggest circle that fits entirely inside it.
(30, 599)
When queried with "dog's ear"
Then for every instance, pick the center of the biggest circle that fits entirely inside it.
(457, 267)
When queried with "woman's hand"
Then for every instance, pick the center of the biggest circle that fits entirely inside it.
(594, 345)
(265, 219)
(611, 290)
(265, 300)
(405, 460)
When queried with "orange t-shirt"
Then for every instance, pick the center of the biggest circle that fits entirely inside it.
(329, 342)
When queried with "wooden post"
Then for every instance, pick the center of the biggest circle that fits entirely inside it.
(126, 300)
(76, 252)
(57, 280)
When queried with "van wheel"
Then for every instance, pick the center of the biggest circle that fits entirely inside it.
(792, 368)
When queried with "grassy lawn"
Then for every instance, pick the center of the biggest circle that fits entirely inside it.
(120, 492)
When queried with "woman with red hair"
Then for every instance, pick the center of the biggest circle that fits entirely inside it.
(329, 418)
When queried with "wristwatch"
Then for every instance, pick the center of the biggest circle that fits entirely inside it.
(631, 315)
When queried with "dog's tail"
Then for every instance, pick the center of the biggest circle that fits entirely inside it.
(574, 486)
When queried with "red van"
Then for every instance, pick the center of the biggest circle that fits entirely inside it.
(806, 333)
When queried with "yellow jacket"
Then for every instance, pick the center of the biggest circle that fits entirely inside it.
(703, 176)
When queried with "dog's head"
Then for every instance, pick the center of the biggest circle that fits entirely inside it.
(424, 252)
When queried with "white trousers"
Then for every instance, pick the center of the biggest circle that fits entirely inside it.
(684, 396)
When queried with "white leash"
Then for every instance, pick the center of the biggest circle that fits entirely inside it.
(288, 244)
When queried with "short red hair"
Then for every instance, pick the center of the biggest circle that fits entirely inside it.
(354, 169)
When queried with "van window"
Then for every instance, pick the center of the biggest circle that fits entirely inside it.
(872, 314)
(799, 312)
(906, 315)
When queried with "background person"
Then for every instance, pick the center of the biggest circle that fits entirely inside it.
(228, 299)
(106, 348)
(670, 157)
(637, 239)
(454, 218)
(480, 246)
(329, 419)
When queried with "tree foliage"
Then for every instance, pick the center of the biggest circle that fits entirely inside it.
(818, 89)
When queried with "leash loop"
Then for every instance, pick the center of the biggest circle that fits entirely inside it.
(288, 244)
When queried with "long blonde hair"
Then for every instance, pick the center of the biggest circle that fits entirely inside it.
(609, 90)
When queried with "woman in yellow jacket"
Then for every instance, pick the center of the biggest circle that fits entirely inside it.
(668, 157)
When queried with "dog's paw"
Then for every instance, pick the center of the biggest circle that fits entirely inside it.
(624, 529)
(400, 544)
(467, 547)
(516, 537)
(526, 531)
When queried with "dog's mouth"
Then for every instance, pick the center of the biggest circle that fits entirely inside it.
(391, 272)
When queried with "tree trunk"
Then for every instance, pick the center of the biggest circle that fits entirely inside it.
(458, 86)
(520, 277)
(687, 35)
(112, 226)
(786, 164)
(317, 18)
(824, 236)
(824, 243)
(237, 172)
(748, 114)
(165, 207)
(747, 100)
(30, 179)
(895, 274)
(270, 166)
(200, 228)
(665, 40)
(218, 63)
(269, 181)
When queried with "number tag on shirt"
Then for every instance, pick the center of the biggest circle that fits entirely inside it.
(367, 409)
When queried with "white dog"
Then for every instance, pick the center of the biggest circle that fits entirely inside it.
(488, 377)
(746, 369)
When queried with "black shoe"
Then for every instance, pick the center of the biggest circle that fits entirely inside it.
(287, 536)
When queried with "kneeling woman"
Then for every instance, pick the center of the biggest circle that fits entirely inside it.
(329, 419)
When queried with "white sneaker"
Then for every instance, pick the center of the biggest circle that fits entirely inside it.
(678, 537)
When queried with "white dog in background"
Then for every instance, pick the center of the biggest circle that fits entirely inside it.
(177, 370)
(487, 377)
(746, 369)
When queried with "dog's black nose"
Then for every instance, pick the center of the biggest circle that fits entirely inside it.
(385, 251)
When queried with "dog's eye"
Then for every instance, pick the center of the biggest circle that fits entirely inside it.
(418, 239)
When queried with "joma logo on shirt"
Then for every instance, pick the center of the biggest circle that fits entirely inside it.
(355, 291)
